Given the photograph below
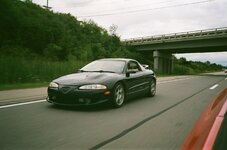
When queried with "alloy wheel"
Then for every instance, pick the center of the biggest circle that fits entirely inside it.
(119, 95)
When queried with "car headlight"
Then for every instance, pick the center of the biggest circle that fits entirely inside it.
(93, 87)
(53, 85)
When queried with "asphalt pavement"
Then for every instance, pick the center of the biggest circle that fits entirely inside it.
(161, 122)
(22, 95)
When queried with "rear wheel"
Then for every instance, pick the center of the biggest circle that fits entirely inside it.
(152, 88)
(118, 95)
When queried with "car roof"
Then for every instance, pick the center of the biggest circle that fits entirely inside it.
(118, 59)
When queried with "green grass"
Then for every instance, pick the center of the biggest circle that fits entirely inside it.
(16, 70)
(22, 85)
(19, 73)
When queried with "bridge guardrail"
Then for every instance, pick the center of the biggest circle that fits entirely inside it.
(177, 36)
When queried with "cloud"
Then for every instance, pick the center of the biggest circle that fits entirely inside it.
(158, 20)
(79, 3)
(161, 18)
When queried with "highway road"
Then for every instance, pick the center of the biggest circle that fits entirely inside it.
(161, 122)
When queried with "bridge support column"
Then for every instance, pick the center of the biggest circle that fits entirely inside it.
(163, 62)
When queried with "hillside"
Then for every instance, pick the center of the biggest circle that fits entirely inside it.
(29, 30)
(46, 45)
(38, 45)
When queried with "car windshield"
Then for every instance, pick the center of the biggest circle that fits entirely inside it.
(115, 66)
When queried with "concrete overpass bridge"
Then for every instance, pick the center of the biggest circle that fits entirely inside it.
(163, 46)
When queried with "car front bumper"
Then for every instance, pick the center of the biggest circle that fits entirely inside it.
(77, 97)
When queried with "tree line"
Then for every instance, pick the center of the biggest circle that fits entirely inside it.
(29, 30)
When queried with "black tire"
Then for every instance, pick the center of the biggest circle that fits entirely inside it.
(118, 95)
(152, 88)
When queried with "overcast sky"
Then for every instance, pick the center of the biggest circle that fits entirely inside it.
(139, 18)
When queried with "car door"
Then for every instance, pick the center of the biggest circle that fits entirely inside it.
(135, 80)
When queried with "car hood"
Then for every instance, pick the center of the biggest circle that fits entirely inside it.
(85, 78)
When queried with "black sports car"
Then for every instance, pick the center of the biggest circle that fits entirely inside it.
(103, 80)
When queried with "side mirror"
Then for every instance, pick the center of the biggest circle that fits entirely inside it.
(129, 72)
(145, 66)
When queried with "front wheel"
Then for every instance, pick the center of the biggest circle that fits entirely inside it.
(152, 88)
(118, 95)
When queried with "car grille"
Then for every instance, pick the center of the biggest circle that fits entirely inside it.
(66, 89)
(67, 100)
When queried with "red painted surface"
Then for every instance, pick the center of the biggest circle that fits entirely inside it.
(199, 134)
(215, 128)
(223, 110)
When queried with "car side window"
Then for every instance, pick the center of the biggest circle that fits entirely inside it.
(133, 66)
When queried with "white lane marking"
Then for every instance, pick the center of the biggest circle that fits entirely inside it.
(225, 78)
(214, 86)
(25, 103)
(161, 82)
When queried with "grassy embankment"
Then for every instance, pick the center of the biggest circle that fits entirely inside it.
(19, 73)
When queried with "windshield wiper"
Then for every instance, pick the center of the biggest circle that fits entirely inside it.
(107, 71)
(85, 71)
(104, 71)
(97, 71)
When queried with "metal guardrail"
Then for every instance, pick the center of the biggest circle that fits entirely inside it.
(198, 34)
